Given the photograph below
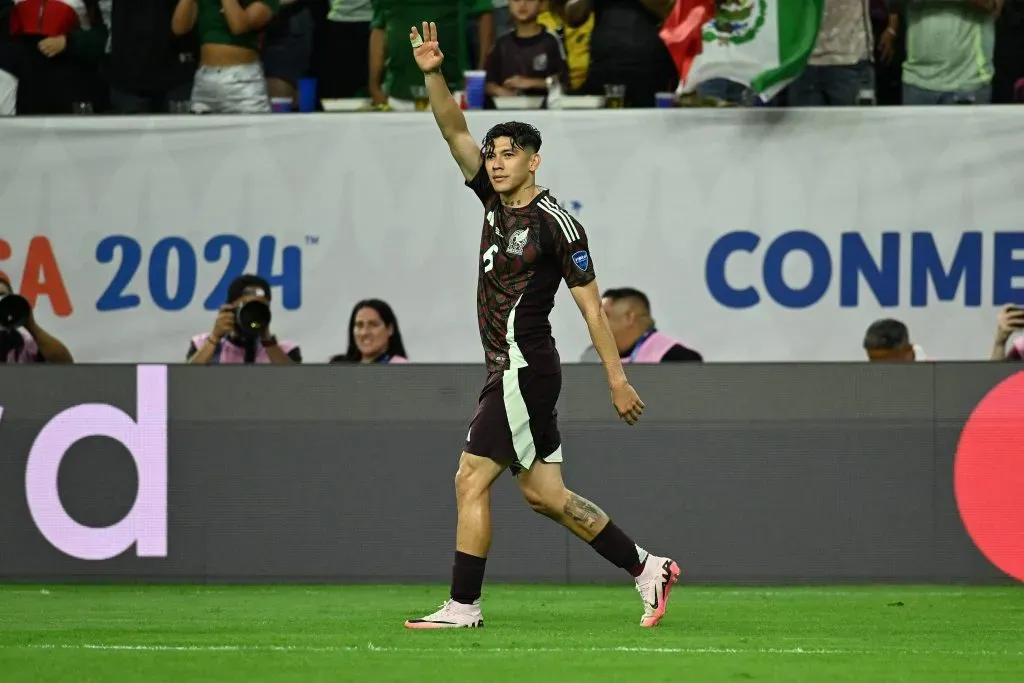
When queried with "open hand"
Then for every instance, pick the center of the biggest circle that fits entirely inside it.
(627, 403)
(517, 83)
(51, 47)
(225, 322)
(428, 54)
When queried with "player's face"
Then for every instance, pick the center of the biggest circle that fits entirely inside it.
(620, 321)
(508, 167)
(371, 333)
(524, 10)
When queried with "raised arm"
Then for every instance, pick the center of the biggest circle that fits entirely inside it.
(447, 113)
(184, 17)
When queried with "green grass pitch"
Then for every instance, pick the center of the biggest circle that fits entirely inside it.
(532, 634)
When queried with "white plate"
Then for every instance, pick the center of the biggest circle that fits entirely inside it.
(519, 102)
(348, 104)
(582, 102)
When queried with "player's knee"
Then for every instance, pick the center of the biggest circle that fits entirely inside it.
(468, 482)
(546, 503)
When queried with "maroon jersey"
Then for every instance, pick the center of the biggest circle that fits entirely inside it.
(525, 253)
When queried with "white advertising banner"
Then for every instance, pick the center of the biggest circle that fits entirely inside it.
(759, 235)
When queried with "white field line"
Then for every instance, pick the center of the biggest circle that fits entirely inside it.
(693, 592)
(370, 647)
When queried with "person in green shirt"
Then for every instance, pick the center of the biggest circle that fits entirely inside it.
(393, 71)
(950, 46)
(230, 77)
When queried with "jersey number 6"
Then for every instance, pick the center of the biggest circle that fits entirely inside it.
(488, 258)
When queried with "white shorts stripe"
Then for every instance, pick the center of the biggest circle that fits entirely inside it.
(568, 229)
(518, 417)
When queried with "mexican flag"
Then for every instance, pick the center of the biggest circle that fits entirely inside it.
(763, 44)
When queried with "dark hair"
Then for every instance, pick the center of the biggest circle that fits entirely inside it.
(627, 293)
(886, 334)
(523, 136)
(395, 345)
(243, 282)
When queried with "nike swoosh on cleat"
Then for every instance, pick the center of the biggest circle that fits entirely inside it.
(428, 621)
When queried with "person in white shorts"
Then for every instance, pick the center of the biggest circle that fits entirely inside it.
(230, 77)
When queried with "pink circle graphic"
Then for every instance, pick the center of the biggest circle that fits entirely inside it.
(988, 476)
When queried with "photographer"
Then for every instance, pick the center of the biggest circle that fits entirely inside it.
(241, 333)
(1010, 322)
(22, 340)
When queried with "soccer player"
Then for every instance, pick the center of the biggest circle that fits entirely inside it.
(528, 246)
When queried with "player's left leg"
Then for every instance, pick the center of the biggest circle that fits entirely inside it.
(544, 490)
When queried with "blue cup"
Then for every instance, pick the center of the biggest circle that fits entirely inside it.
(665, 100)
(307, 94)
(475, 89)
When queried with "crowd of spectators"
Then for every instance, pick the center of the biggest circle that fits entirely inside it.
(177, 56)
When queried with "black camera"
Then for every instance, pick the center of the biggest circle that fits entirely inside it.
(251, 318)
(14, 311)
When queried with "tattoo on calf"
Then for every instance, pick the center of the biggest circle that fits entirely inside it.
(583, 512)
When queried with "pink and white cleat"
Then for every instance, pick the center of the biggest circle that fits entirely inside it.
(451, 615)
(654, 585)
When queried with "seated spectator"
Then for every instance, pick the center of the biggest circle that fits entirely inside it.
(951, 47)
(230, 77)
(889, 340)
(148, 67)
(288, 47)
(57, 47)
(373, 335)
(25, 341)
(1009, 322)
(230, 342)
(575, 40)
(523, 58)
(638, 340)
(625, 48)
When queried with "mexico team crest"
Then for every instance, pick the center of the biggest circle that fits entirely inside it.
(736, 21)
(517, 242)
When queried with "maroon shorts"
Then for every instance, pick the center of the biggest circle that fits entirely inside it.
(516, 421)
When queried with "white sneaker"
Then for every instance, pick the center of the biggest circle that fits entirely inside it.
(654, 585)
(451, 615)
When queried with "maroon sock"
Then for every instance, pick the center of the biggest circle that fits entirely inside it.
(467, 578)
(614, 545)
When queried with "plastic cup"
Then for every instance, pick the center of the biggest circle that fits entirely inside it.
(475, 89)
(665, 100)
(614, 96)
(307, 95)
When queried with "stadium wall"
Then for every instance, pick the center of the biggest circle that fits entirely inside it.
(760, 234)
(745, 473)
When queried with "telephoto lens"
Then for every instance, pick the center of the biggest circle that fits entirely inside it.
(14, 311)
(252, 318)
